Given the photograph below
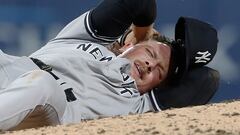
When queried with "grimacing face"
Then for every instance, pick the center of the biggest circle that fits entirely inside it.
(149, 63)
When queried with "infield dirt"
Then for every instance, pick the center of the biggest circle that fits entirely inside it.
(212, 119)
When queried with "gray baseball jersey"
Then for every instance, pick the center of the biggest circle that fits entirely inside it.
(99, 80)
(92, 82)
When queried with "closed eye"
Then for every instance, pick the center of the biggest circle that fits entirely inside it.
(149, 52)
(160, 73)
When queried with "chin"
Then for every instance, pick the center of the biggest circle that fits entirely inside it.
(140, 89)
(143, 90)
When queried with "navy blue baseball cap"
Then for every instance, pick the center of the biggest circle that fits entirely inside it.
(195, 45)
(189, 82)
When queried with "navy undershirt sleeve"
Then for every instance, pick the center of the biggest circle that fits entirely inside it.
(111, 18)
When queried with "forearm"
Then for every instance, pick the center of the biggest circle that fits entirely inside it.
(112, 17)
(138, 34)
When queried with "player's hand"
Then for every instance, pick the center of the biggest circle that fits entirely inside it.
(139, 34)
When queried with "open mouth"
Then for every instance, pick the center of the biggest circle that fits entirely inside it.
(138, 69)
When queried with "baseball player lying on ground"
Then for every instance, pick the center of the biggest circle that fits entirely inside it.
(76, 76)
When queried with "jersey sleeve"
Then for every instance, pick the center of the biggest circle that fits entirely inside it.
(109, 20)
(76, 29)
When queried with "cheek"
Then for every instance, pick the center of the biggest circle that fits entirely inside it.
(152, 79)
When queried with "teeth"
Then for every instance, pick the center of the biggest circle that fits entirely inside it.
(138, 70)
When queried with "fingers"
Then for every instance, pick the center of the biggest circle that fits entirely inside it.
(139, 34)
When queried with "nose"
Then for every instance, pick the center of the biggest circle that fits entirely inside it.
(150, 65)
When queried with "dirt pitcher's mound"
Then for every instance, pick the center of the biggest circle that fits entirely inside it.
(213, 119)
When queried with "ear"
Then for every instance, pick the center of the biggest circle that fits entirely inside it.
(125, 47)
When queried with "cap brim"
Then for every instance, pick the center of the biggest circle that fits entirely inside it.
(196, 88)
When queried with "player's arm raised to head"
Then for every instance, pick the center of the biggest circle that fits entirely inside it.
(111, 18)
(137, 34)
